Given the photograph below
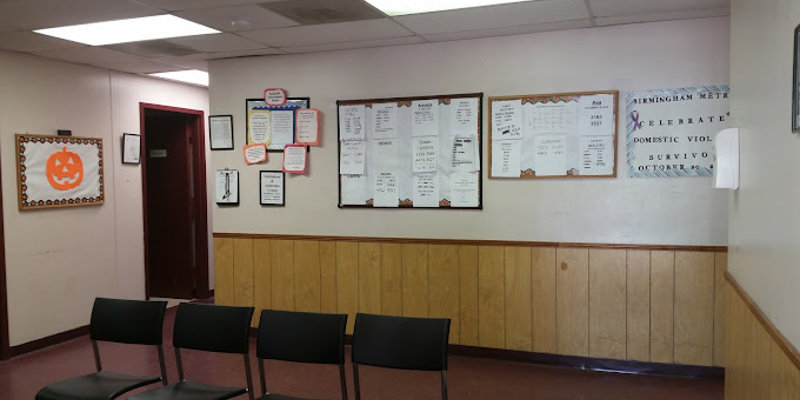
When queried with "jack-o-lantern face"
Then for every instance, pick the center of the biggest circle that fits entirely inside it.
(64, 170)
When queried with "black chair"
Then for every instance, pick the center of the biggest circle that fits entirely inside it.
(120, 321)
(211, 328)
(400, 342)
(300, 337)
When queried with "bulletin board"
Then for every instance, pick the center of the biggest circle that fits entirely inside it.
(273, 125)
(411, 152)
(558, 135)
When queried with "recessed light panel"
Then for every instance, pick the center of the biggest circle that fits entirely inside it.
(192, 76)
(128, 30)
(404, 7)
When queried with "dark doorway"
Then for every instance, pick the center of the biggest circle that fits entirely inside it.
(174, 201)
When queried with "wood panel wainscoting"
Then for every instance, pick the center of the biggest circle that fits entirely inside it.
(761, 363)
(657, 304)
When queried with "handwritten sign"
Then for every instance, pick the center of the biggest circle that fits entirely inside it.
(254, 153)
(294, 159)
(275, 97)
(307, 126)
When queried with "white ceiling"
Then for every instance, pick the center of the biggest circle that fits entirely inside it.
(269, 27)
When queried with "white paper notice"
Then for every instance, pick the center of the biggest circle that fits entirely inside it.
(506, 158)
(354, 189)
(464, 154)
(260, 126)
(351, 158)
(426, 153)
(597, 155)
(425, 117)
(596, 115)
(294, 159)
(255, 154)
(551, 155)
(464, 189)
(221, 133)
(384, 121)
(384, 155)
(385, 190)
(351, 122)
(506, 120)
(426, 190)
(543, 118)
(463, 117)
(282, 128)
(307, 125)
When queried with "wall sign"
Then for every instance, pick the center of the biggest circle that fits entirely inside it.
(670, 132)
(59, 171)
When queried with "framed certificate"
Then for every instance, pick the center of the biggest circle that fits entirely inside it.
(220, 132)
(131, 148)
(226, 182)
(272, 191)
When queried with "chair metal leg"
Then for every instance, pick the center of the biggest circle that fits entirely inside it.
(96, 356)
(249, 376)
(161, 364)
(179, 364)
(343, 381)
(356, 387)
(262, 376)
(444, 385)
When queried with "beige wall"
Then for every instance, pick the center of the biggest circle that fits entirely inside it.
(621, 210)
(59, 260)
(764, 221)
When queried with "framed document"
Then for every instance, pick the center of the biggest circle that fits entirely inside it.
(226, 182)
(220, 132)
(273, 126)
(271, 188)
(796, 82)
(131, 148)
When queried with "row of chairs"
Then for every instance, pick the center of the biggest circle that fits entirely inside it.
(378, 340)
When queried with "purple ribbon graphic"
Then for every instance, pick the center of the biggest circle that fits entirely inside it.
(635, 119)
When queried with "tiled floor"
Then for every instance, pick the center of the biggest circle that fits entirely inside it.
(468, 378)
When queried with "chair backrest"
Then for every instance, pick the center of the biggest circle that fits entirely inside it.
(208, 327)
(401, 342)
(127, 321)
(301, 337)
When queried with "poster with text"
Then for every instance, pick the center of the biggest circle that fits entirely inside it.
(670, 132)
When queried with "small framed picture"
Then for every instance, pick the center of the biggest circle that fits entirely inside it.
(272, 189)
(131, 148)
(796, 82)
(220, 132)
(226, 182)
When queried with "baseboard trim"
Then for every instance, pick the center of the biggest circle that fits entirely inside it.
(590, 363)
(48, 341)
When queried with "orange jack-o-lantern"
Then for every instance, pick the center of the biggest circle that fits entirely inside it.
(64, 170)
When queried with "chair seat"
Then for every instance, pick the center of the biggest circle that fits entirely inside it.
(277, 396)
(188, 390)
(101, 385)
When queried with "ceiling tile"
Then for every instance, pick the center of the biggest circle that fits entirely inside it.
(178, 5)
(110, 59)
(153, 48)
(269, 51)
(308, 12)
(373, 29)
(237, 18)
(605, 8)
(27, 41)
(35, 14)
(354, 45)
(491, 17)
(514, 30)
(669, 16)
(215, 43)
(188, 62)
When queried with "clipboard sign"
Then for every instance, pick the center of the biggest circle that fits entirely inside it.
(294, 159)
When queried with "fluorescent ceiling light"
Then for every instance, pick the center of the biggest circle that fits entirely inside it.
(403, 7)
(128, 30)
(193, 76)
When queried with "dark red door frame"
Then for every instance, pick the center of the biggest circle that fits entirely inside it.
(200, 202)
(5, 351)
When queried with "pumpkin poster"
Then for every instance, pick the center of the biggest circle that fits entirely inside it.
(59, 171)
